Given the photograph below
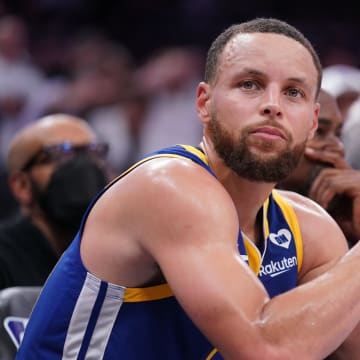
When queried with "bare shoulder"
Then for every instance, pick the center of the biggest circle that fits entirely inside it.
(323, 241)
(180, 189)
(180, 178)
(153, 214)
(165, 189)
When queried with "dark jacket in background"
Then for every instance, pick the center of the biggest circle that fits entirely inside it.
(26, 256)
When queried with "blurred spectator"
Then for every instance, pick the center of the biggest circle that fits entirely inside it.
(120, 125)
(19, 80)
(324, 175)
(99, 72)
(117, 114)
(170, 79)
(351, 135)
(55, 168)
(100, 89)
(343, 82)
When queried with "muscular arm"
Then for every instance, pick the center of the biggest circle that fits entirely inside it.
(181, 217)
(323, 244)
(195, 246)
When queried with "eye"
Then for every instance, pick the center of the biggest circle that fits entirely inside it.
(248, 85)
(43, 157)
(321, 133)
(294, 92)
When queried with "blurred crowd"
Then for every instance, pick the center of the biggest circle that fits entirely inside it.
(135, 108)
(134, 105)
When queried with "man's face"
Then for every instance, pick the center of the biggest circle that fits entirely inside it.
(262, 107)
(52, 137)
(330, 124)
(72, 171)
(50, 145)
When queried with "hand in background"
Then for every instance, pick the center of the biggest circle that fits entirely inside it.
(337, 189)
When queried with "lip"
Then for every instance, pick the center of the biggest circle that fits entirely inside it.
(269, 131)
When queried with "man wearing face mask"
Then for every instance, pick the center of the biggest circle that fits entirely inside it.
(56, 166)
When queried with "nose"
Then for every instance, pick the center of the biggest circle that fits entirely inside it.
(270, 105)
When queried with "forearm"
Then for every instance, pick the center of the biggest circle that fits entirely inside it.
(315, 318)
(350, 348)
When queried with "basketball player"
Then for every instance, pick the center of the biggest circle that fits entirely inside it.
(164, 264)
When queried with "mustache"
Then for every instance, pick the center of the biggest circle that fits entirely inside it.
(251, 128)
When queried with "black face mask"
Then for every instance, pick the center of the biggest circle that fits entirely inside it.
(70, 190)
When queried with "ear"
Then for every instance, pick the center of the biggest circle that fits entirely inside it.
(203, 102)
(314, 124)
(20, 186)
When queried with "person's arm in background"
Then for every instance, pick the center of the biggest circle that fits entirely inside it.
(337, 189)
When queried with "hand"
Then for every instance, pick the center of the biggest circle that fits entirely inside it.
(331, 155)
(346, 182)
(336, 188)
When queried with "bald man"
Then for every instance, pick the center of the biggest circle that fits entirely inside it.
(324, 175)
(55, 167)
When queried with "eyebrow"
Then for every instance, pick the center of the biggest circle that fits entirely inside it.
(324, 121)
(252, 71)
(327, 122)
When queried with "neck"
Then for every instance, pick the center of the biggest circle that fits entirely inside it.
(248, 195)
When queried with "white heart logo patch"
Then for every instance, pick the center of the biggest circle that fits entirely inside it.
(282, 238)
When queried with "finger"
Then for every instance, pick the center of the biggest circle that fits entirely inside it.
(336, 159)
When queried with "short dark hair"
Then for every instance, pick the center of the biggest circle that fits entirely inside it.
(258, 25)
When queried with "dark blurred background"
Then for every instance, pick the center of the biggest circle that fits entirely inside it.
(131, 68)
(144, 25)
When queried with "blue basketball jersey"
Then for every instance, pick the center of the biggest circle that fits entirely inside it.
(79, 316)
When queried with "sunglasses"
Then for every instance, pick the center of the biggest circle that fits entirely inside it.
(64, 151)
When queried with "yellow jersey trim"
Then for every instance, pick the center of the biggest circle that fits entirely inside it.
(196, 152)
(254, 256)
(148, 293)
(291, 219)
(211, 355)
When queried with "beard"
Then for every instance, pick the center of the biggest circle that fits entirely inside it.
(255, 166)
